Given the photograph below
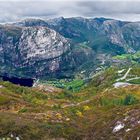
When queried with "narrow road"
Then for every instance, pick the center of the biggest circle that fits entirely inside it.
(73, 105)
(135, 78)
(125, 75)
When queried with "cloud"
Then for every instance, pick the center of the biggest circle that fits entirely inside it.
(13, 10)
(124, 10)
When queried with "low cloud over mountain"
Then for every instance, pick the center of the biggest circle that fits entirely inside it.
(16, 9)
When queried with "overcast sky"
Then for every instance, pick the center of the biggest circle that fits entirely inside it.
(13, 10)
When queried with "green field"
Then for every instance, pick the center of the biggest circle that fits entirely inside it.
(131, 57)
(72, 85)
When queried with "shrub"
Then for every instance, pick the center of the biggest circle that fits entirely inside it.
(56, 106)
(111, 102)
(79, 113)
(86, 108)
(23, 110)
(3, 100)
(130, 99)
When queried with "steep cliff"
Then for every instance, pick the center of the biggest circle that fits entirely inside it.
(33, 51)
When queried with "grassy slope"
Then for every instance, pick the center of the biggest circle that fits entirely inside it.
(91, 113)
(134, 58)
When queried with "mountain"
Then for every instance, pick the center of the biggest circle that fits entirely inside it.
(64, 47)
(116, 32)
(31, 50)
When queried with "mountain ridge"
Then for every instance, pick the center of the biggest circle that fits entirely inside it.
(95, 39)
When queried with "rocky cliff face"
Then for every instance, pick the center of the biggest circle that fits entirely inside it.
(41, 43)
(59, 47)
(35, 51)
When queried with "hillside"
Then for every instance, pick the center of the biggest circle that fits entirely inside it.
(94, 109)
